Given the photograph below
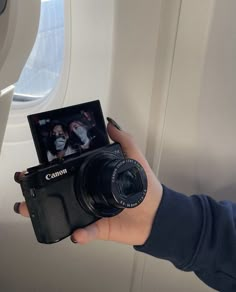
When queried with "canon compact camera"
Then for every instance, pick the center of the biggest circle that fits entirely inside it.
(81, 177)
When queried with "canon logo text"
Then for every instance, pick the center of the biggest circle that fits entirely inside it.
(50, 176)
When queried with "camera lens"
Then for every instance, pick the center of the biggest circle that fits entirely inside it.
(129, 182)
(106, 184)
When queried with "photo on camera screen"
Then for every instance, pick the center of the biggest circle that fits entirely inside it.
(68, 131)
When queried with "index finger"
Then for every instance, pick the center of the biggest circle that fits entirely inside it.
(21, 208)
(18, 175)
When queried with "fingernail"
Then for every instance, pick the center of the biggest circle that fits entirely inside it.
(73, 240)
(17, 208)
(17, 177)
(110, 120)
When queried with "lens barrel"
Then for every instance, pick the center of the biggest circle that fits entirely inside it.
(106, 184)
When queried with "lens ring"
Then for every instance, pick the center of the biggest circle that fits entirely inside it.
(101, 192)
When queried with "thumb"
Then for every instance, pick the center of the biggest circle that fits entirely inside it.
(97, 230)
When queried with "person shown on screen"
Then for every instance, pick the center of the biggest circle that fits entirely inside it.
(84, 137)
(79, 135)
(58, 141)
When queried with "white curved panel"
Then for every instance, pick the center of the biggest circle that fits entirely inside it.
(91, 51)
(3, 4)
(133, 67)
(20, 110)
(216, 166)
(18, 29)
(5, 103)
(198, 154)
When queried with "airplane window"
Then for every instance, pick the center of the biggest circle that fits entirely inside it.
(42, 70)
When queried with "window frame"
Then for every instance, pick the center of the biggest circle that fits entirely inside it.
(55, 99)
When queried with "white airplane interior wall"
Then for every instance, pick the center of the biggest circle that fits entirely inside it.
(165, 71)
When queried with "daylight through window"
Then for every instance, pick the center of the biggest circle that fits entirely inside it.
(42, 70)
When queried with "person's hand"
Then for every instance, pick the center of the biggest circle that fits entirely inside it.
(131, 226)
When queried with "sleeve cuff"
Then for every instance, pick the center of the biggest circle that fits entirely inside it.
(176, 229)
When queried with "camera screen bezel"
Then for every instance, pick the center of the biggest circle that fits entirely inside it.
(57, 114)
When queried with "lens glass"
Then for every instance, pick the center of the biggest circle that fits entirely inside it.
(129, 182)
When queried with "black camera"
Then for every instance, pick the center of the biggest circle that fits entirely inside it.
(72, 189)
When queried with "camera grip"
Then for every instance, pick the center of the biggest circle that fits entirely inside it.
(49, 219)
(56, 220)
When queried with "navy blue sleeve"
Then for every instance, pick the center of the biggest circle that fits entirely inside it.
(198, 234)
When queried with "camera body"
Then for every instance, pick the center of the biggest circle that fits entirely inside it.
(61, 196)
(81, 176)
